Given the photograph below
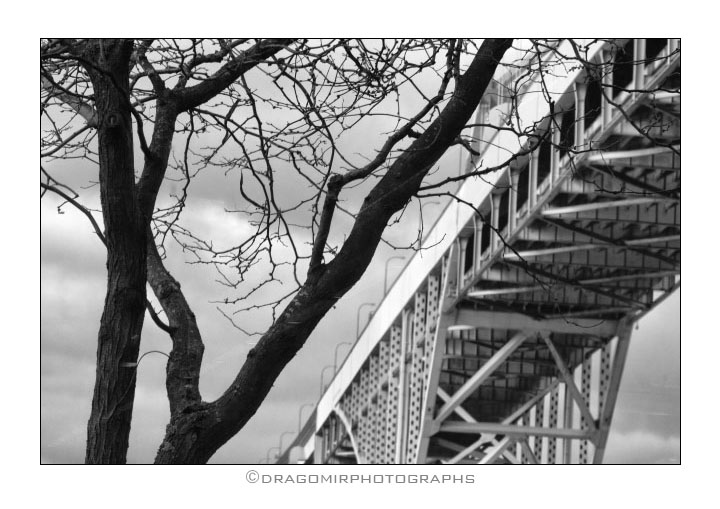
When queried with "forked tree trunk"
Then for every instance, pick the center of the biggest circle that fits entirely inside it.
(121, 323)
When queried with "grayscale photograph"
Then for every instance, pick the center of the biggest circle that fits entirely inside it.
(396, 251)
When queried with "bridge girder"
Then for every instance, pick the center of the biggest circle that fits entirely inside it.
(511, 347)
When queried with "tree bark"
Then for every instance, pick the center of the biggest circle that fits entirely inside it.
(193, 436)
(121, 324)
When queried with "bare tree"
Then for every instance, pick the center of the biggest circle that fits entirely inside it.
(270, 114)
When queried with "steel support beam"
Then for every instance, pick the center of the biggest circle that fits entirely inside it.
(598, 205)
(570, 383)
(528, 451)
(478, 294)
(515, 430)
(494, 454)
(603, 156)
(472, 318)
(481, 375)
(620, 244)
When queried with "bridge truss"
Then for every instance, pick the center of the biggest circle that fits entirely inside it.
(504, 340)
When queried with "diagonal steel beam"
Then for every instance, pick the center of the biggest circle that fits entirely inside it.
(473, 318)
(528, 451)
(495, 453)
(598, 205)
(464, 414)
(671, 193)
(432, 388)
(568, 378)
(470, 449)
(608, 407)
(630, 154)
(480, 376)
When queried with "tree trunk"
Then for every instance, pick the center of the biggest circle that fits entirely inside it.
(194, 434)
(107, 63)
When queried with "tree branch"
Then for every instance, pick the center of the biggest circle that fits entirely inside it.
(196, 95)
(217, 423)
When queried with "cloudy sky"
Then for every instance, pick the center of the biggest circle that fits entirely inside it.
(646, 428)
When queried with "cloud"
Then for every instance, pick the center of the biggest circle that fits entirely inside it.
(642, 447)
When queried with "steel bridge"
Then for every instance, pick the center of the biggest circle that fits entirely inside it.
(504, 339)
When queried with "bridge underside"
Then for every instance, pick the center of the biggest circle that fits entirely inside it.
(512, 348)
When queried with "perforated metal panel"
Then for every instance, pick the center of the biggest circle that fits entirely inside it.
(393, 393)
(417, 376)
(568, 423)
(604, 376)
(383, 410)
(552, 423)
(586, 384)
(538, 447)
(373, 417)
(523, 421)
(363, 433)
(433, 314)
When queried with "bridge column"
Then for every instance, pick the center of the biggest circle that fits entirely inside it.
(363, 435)
(586, 369)
(613, 385)
(512, 202)
(401, 440)
(417, 375)
(555, 151)
(462, 247)
(604, 376)
(533, 178)
(432, 335)
(372, 443)
(639, 67)
(477, 234)
(552, 423)
(495, 219)
(318, 451)
(383, 409)
(606, 108)
(393, 417)
(538, 441)
(438, 322)
(580, 92)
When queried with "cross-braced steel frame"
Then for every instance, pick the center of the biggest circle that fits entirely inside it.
(506, 342)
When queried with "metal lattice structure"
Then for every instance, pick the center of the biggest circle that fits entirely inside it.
(505, 341)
